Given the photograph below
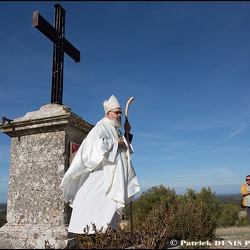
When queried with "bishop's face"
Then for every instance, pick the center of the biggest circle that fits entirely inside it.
(116, 116)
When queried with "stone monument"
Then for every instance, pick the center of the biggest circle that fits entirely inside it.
(37, 216)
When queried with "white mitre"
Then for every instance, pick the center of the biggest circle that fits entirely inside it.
(110, 104)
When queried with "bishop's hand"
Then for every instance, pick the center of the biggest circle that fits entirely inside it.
(127, 127)
(121, 143)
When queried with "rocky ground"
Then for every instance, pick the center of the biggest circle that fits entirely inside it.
(232, 238)
(226, 238)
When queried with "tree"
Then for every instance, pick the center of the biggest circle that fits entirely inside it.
(152, 198)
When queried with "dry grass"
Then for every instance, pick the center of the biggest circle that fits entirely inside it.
(226, 238)
(232, 238)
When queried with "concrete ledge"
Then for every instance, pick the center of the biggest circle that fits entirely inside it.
(50, 117)
(30, 236)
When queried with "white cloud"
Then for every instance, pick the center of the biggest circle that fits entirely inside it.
(238, 131)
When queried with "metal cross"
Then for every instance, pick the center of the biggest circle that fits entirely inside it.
(61, 45)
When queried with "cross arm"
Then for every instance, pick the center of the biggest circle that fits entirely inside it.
(49, 31)
(71, 51)
(46, 28)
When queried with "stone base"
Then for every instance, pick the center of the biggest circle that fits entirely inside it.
(36, 237)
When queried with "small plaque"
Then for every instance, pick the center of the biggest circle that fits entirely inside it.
(73, 149)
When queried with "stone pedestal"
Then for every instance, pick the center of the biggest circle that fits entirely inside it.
(37, 216)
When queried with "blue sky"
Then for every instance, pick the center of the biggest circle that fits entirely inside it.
(187, 64)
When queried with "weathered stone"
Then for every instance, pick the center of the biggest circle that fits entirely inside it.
(37, 216)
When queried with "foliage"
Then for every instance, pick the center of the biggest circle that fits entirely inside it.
(111, 239)
(152, 199)
(189, 216)
(229, 215)
(3, 218)
(226, 198)
(47, 245)
(160, 216)
(207, 197)
(242, 222)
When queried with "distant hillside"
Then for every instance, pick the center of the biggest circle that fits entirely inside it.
(3, 206)
(225, 198)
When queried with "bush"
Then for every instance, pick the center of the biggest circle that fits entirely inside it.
(229, 215)
(150, 200)
(111, 239)
(179, 220)
(160, 216)
(3, 218)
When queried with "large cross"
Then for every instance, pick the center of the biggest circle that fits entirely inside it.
(61, 45)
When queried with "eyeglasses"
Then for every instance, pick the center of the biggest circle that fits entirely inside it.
(117, 112)
(247, 179)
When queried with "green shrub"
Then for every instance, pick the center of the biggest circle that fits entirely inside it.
(3, 218)
(180, 220)
(111, 239)
(229, 215)
(160, 216)
(151, 199)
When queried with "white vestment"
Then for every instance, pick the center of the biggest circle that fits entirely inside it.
(100, 180)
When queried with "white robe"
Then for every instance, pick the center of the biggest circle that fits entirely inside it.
(100, 180)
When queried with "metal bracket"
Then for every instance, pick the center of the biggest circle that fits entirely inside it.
(4, 120)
